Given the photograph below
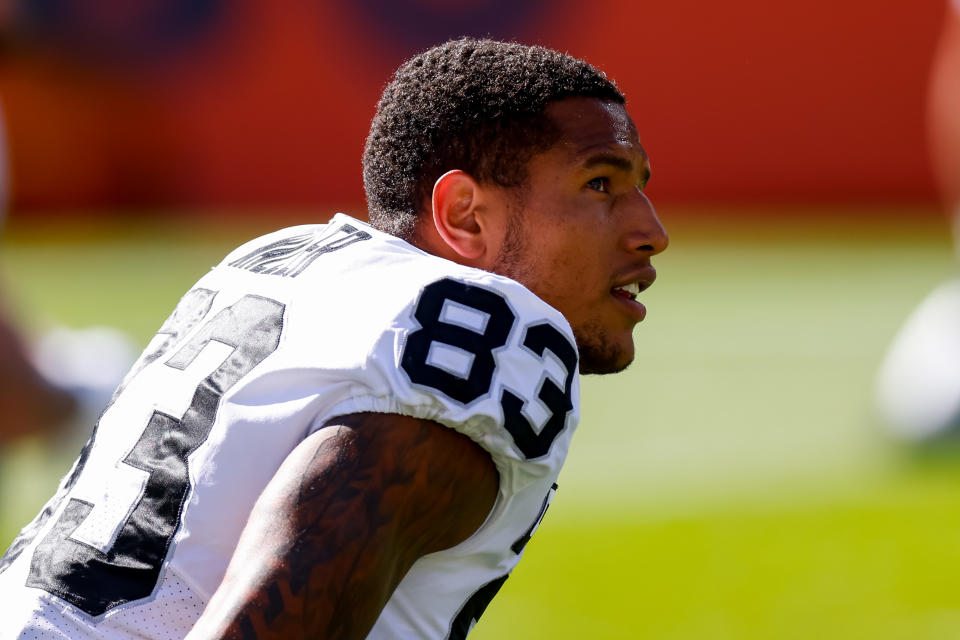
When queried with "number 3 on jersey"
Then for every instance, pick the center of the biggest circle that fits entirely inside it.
(96, 580)
(478, 321)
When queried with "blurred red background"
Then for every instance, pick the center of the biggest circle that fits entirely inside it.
(254, 104)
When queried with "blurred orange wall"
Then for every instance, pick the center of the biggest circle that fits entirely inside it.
(268, 104)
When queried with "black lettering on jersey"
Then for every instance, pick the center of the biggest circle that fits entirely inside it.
(191, 309)
(95, 581)
(522, 541)
(473, 608)
(538, 339)
(435, 330)
(290, 256)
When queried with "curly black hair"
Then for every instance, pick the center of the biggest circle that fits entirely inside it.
(469, 104)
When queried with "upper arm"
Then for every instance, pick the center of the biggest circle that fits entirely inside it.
(344, 518)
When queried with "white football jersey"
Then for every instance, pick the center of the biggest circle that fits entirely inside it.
(290, 330)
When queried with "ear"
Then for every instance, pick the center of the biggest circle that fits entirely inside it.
(456, 203)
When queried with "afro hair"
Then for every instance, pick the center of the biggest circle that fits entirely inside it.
(468, 104)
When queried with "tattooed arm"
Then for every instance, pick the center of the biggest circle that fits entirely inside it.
(344, 518)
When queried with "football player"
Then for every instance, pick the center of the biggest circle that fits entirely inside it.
(918, 390)
(31, 403)
(351, 430)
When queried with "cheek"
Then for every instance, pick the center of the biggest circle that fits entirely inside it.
(568, 261)
(577, 279)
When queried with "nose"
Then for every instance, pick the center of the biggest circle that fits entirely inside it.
(645, 232)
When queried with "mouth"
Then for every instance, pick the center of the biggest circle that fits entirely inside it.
(630, 290)
(627, 292)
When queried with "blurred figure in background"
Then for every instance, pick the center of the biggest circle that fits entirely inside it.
(59, 384)
(62, 381)
(29, 402)
(918, 391)
(59, 379)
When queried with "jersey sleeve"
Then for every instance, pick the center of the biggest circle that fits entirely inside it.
(482, 355)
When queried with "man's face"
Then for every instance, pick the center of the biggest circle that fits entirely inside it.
(581, 233)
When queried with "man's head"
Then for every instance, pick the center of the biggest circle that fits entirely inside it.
(473, 105)
(524, 162)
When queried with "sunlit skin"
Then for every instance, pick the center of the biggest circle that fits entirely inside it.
(346, 515)
(578, 228)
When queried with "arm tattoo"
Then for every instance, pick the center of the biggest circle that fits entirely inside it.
(347, 514)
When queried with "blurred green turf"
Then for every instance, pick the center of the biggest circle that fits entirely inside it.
(732, 484)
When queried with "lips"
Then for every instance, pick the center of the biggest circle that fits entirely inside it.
(630, 286)
(630, 290)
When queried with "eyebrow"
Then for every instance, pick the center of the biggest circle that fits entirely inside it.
(618, 162)
(611, 159)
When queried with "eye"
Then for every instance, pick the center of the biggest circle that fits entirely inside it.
(599, 184)
(646, 180)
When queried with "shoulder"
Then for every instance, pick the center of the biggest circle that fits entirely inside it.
(481, 354)
(398, 330)
(378, 256)
(467, 327)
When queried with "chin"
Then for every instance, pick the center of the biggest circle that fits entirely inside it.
(604, 366)
(600, 355)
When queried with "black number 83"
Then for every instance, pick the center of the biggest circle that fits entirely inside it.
(476, 321)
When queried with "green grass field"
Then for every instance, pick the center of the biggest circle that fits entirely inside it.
(732, 484)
